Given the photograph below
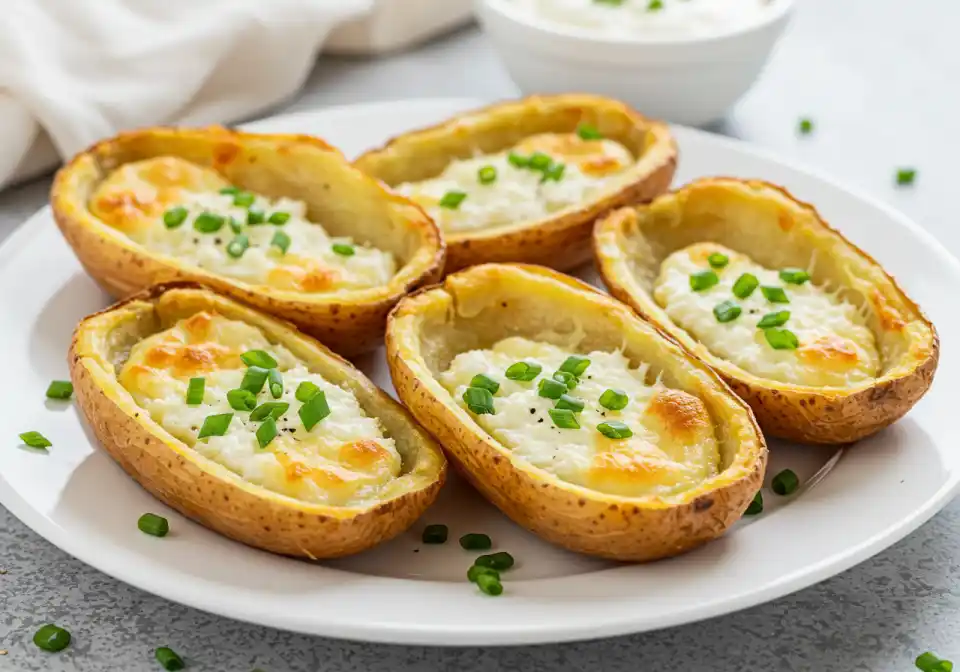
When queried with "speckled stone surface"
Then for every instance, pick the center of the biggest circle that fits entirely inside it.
(879, 77)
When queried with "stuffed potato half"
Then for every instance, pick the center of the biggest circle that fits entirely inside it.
(600, 435)
(317, 463)
(523, 181)
(282, 222)
(804, 326)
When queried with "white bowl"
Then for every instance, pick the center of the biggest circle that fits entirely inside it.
(689, 80)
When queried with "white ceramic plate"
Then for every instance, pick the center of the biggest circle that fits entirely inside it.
(853, 504)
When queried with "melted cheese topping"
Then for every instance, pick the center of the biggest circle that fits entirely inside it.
(343, 461)
(521, 194)
(836, 348)
(134, 198)
(673, 447)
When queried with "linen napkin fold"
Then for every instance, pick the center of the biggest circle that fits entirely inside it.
(73, 72)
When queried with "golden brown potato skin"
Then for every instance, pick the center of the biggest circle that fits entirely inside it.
(300, 167)
(212, 495)
(765, 222)
(475, 308)
(563, 240)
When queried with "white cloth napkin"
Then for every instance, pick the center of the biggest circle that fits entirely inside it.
(75, 71)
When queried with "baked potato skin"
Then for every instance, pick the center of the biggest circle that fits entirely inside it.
(824, 416)
(349, 322)
(563, 240)
(236, 509)
(576, 518)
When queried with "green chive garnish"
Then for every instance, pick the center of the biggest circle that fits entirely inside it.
(195, 389)
(230, 191)
(524, 371)
(781, 339)
(343, 249)
(563, 418)
(51, 638)
(566, 378)
(777, 319)
(569, 403)
(243, 199)
(756, 506)
(930, 662)
(215, 425)
(60, 389)
(745, 285)
(614, 399)
(550, 389)
(614, 429)
(169, 659)
(785, 483)
(270, 409)
(554, 172)
(237, 246)
(795, 276)
(314, 410)
(281, 240)
(435, 534)
(805, 126)
(174, 217)
(279, 218)
(208, 222)
(275, 383)
(501, 561)
(539, 161)
(703, 280)
(242, 400)
(476, 571)
(717, 260)
(256, 216)
(727, 311)
(575, 364)
(655, 6)
(476, 542)
(235, 224)
(487, 175)
(588, 132)
(774, 294)
(479, 400)
(518, 160)
(154, 525)
(260, 358)
(306, 391)
(267, 432)
(489, 585)
(906, 176)
(486, 382)
(35, 440)
(452, 199)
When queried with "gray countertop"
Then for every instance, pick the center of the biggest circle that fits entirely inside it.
(879, 78)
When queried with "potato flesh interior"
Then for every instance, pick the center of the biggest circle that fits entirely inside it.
(136, 197)
(521, 194)
(344, 460)
(835, 347)
(673, 447)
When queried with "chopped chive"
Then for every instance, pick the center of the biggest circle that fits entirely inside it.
(781, 339)
(501, 561)
(569, 403)
(518, 160)
(717, 260)
(655, 5)
(267, 432)
(243, 199)
(60, 389)
(51, 638)
(281, 240)
(275, 383)
(906, 176)
(726, 311)
(805, 126)
(785, 483)
(237, 246)
(169, 659)
(314, 410)
(269, 409)
(306, 391)
(215, 425)
(614, 429)
(614, 400)
(795, 276)
(256, 216)
(489, 585)
(487, 175)
(230, 191)
(235, 224)
(260, 358)
(476, 542)
(703, 280)
(774, 294)
(242, 400)
(524, 371)
(154, 525)
(452, 199)
(279, 218)
(195, 390)
(554, 173)
(477, 571)
(575, 364)
(435, 534)
(343, 249)
(588, 132)
(479, 400)
(756, 506)
(563, 418)
(539, 161)
(566, 378)
(745, 285)
(174, 217)
(777, 319)
(550, 389)
(35, 440)
(208, 222)
(486, 382)
(930, 662)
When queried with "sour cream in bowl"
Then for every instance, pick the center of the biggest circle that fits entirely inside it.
(686, 61)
